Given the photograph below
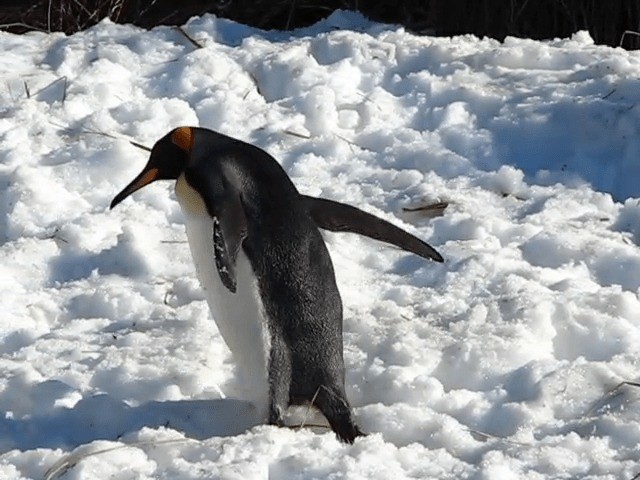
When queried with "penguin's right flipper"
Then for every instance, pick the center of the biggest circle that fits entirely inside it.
(229, 230)
(224, 260)
(339, 217)
(224, 204)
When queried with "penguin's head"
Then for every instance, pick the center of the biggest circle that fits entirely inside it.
(168, 159)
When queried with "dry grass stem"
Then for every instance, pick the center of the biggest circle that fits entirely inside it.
(188, 37)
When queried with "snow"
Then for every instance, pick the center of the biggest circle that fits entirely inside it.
(499, 363)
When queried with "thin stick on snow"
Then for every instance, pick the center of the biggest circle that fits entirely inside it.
(625, 33)
(49, 16)
(23, 25)
(489, 436)
(295, 134)
(104, 134)
(255, 82)
(437, 207)
(50, 84)
(67, 462)
(290, 16)
(607, 394)
(306, 414)
(186, 35)
(132, 142)
(64, 90)
(64, 87)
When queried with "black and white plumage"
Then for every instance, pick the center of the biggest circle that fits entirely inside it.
(265, 269)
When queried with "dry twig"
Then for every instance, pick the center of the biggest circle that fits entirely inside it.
(186, 35)
(610, 393)
(437, 208)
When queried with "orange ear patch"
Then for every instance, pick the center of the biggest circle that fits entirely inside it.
(183, 138)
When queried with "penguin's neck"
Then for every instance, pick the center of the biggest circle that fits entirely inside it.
(190, 200)
(239, 316)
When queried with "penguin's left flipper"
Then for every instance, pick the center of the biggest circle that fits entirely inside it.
(224, 204)
(339, 217)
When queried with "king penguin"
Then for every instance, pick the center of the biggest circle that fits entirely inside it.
(266, 271)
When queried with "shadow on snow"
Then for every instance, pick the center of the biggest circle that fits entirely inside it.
(102, 417)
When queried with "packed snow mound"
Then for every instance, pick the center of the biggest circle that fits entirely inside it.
(495, 364)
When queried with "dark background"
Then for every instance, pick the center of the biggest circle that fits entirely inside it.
(606, 20)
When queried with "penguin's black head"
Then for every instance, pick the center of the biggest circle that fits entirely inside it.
(168, 159)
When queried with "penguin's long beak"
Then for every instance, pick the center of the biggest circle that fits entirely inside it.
(147, 176)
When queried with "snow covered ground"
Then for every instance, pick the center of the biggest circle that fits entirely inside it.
(493, 365)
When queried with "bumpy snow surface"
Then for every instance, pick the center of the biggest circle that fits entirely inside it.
(500, 363)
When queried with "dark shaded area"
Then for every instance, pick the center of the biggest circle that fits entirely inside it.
(102, 417)
(537, 19)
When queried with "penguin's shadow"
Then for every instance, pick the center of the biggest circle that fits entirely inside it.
(102, 417)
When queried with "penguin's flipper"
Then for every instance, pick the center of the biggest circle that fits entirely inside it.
(339, 217)
(224, 260)
(224, 205)
(229, 231)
